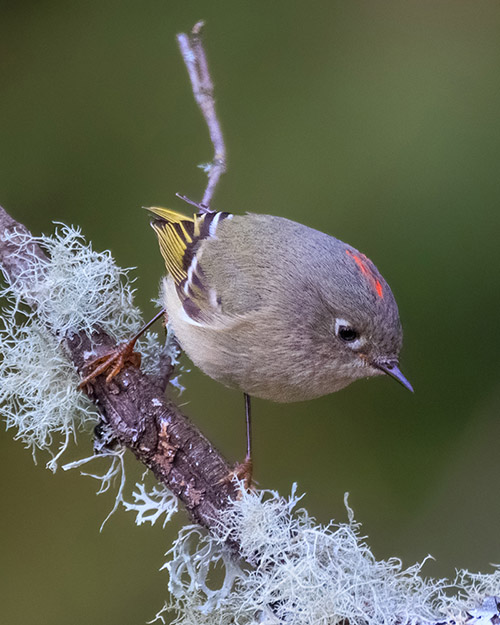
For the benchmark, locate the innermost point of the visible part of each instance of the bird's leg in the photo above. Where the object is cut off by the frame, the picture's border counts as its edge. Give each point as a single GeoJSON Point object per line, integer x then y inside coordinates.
{"type": "Point", "coordinates": [248, 419]}
{"type": "Point", "coordinates": [118, 358]}
{"type": "Point", "coordinates": [244, 470]}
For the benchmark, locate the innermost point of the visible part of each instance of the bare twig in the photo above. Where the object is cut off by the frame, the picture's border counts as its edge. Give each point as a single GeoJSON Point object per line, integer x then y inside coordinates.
{"type": "Point", "coordinates": [194, 56]}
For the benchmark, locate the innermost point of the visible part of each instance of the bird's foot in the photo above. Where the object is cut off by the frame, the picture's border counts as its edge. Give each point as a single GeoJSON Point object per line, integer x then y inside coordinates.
{"type": "Point", "coordinates": [113, 362]}
{"type": "Point", "coordinates": [242, 472]}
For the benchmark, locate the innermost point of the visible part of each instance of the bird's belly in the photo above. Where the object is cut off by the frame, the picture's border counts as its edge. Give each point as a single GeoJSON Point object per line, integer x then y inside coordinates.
{"type": "Point", "coordinates": [257, 355]}
{"type": "Point", "coordinates": [266, 376]}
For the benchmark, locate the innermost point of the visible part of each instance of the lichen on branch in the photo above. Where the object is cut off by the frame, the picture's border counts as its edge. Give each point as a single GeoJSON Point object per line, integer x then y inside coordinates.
{"type": "Point", "coordinates": [68, 290]}
{"type": "Point", "coordinates": [65, 304]}
{"type": "Point", "coordinates": [304, 573]}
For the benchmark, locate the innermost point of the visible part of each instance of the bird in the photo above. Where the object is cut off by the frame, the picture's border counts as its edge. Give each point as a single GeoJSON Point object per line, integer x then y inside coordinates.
{"type": "Point", "coordinates": [274, 308]}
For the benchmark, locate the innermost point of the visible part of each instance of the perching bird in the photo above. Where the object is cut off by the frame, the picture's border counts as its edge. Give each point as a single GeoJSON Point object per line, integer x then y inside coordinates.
{"type": "Point", "coordinates": [273, 308]}
{"type": "Point", "coordinates": [270, 307]}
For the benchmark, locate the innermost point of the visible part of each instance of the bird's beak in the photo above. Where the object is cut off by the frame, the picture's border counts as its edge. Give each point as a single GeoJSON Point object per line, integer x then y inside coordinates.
{"type": "Point", "coordinates": [391, 368]}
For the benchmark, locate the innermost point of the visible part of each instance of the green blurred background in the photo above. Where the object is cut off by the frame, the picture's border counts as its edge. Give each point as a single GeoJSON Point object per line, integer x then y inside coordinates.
{"type": "Point", "coordinates": [378, 122]}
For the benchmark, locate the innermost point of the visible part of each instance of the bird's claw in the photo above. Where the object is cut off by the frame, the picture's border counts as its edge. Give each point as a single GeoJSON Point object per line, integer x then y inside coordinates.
{"type": "Point", "coordinates": [242, 472]}
{"type": "Point", "coordinates": [114, 362]}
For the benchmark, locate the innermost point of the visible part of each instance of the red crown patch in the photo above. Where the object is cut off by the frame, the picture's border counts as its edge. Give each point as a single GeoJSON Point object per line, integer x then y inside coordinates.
{"type": "Point", "coordinates": [367, 269]}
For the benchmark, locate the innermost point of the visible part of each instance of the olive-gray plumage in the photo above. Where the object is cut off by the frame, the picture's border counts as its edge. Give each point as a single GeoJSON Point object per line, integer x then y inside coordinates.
{"type": "Point", "coordinates": [276, 309]}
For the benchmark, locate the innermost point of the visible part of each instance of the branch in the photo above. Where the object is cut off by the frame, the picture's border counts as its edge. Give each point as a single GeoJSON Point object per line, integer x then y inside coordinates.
{"type": "Point", "coordinates": [133, 406]}
{"type": "Point", "coordinates": [194, 56]}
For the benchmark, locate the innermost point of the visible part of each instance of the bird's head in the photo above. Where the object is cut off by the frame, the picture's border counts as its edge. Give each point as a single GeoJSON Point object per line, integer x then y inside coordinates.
{"type": "Point", "coordinates": [362, 319]}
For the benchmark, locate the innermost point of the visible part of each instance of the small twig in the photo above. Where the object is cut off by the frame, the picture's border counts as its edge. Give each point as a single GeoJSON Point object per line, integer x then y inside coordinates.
{"type": "Point", "coordinates": [194, 56]}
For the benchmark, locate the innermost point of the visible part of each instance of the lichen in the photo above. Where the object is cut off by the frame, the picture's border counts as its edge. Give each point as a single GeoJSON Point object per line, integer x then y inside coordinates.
{"type": "Point", "coordinates": [74, 289]}
{"type": "Point", "coordinates": [151, 505]}
{"type": "Point", "coordinates": [294, 571]}
{"type": "Point", "coordinates": [38, 388]}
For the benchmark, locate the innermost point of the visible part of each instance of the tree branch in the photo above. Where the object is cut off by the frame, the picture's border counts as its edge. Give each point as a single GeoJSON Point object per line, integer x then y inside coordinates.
{"type": "Point", "coordinates": [194, 56]}
{"type": "Point", "coordinates": [134, 407]}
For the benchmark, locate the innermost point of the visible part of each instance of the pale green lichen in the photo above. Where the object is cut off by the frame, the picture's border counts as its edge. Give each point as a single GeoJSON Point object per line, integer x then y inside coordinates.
{"type": "Point", "coordinates": [294, 571]}
{"type": "Point", "coordinates": [149, 505]}
{"type": "Point", "coordinates": [152, 505]}
{"type": "Point", "coordinates": [38, 388]}
{"type": "Point", "coordinates": [152, 355]}
{"type": "Point", "coordinates": [75, 289]}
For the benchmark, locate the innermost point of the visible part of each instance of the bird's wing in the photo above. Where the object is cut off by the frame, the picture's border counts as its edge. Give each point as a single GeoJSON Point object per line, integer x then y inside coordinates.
{"type": "Point", "coordinates": [180, 238]}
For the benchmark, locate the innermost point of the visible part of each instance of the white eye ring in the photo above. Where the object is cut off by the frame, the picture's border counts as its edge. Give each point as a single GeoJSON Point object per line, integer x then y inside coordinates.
{"type": "Point", "coordinates": [352, 338]}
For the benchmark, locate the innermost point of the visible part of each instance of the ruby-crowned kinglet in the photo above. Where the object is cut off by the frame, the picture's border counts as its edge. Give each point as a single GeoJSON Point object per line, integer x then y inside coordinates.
{"type": "Point", "coordinates": [274, 308]}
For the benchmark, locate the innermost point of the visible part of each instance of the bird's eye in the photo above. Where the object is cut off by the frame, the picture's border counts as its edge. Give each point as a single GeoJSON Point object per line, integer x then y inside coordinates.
{"type": "Point", "coordinates": [347, 334]}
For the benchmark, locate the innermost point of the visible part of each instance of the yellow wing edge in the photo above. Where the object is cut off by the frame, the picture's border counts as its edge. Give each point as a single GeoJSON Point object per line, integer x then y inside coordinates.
{"type": "Point", "coordinates": [176, 233]}
{"type": "Point", "coordinates": [169, 215]}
